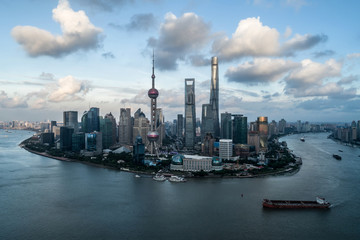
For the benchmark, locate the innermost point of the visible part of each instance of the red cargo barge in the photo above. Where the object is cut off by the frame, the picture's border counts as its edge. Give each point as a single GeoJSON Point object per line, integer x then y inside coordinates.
{"type": "Point", "coordinates": [319, 203]}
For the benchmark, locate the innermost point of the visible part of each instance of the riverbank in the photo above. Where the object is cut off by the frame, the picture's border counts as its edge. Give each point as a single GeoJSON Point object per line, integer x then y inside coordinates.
{"type": "Point", "coordinates": [289, 171]}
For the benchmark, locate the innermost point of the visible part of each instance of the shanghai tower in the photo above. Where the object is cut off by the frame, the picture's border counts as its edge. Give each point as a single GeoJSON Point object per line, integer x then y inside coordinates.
{"type": "Point", "coordinates": [214, 95]}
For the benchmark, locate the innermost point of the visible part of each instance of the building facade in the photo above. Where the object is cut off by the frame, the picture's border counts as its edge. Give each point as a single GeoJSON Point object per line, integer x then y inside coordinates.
{"type": "Point", "coordinates": [226, 126]}
{"type": "Point", "coordinates": [190, 113]}
{"type": "Point", "coordinates": [180, 126]}
{"type": "Point", "coordinates": [225, 149]}
{"type": "Point", "coordinates": [214, 95]}
{"type": "Point", "coordinates": [207, 121]}
{"type": "Point", "coordinates": [240, 129]}
{"type": "Point", "coordinates": [70, 119]}
{"type": "Point", "coordinates": [125, 127]}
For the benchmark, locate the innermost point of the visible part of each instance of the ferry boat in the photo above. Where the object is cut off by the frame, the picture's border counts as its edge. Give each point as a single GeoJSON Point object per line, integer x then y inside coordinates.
{"type": "Point", "coordinates": [319, 203]}
{"type": "Point", "coordinates": [337, 157]}
{"type": "Point", "coordinates": [175, 178]}
{"type": "Point", "coordinates": [159, 177]}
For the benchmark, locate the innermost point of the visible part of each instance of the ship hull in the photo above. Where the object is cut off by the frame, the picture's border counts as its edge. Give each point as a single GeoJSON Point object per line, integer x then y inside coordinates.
{"type": "Point", "coordinates": [293, 204]}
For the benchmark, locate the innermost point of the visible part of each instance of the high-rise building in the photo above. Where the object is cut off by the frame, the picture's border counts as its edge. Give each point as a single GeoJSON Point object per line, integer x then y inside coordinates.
{"type": "Point", "coordinates": [225, 149]}
{"type": "Point", "coordinates": [78, 142]}
{"type": "Point", "coordinates": [240, 129]}
{"type": "Point", "coordinates": [125, 127]}
{"type": "Point", "coordinates": [160, 126]}
{"type": "Point", "coordinates": [208, 145]}
{"type": "Point", "coordinates": [210, 112]}
{"type": "Point", "coordinates": [70, 119]}
{"type": "Point", "coordinates": [113, 127]}
{"type": "Point", "coordinates": [66, 138]}
{"type": "Point", "coordinates": [263, 132]}
{"type": "Point", "coordinates": [93, 142]}
{"type": "Point", "coordinates": [214, 95]}
{"type": "Point", "coordinates": [90, 120]}
{"type": "Point", "coordinates": [180, 126]}
{"type": "Point", "coordinates": [153, 135]}
{"type": "Point", "coordinates": [190, 113]}
{"type": "Point", "coordinates": [141, 126]}
{"type": "Point", "coordinates": [207, 121]}
{"type": "Point", "coordinates": [226, 126]}
{"type": "Point", "coordinates": [106, 129]}
{"type": "Point", "coordinates": [282, 126]}
{"type": "Point", "coordinates": [138, 150]}
{"type": "Point", "coordinates": [358, 130]}
{"type": "Point", "coordinates": [273, 128]}
{"type": "Point", "coordinates": [52, 124]}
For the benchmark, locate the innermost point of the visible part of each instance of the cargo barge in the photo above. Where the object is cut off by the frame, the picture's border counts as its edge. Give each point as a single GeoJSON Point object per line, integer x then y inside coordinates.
{"type": "Point", "coordinates": [319, 203]}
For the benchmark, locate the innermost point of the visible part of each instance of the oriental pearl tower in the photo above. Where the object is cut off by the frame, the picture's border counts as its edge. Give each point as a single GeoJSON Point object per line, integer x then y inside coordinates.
{"type": "Point", "coordinates": [153, 135]}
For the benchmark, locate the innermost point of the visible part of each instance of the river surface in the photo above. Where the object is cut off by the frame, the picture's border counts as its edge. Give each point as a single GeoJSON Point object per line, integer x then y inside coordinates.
{"type": "Point", "coordinates": [42, 198]}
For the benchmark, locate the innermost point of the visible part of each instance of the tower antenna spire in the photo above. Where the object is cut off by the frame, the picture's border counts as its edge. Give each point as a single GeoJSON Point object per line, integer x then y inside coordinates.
{"type": "Point", "coordinates": [153, 71]}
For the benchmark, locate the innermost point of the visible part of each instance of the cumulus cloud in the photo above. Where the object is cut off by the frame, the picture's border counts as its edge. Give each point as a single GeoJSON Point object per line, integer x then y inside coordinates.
{"type": "Point", "coordinates": [11, 102]}
{"type": "Point", "coordinates": [260, 70]}
{"type": "Point", "coordinates": [252, 38]}
{"type": "Point", "coordinates": [179, 37]}
{"type": "Point", "coordinates": [309, 80]}
{"type": "Point", "coordinates": [68, 89]}
{"type": "Point", "coordinates": [78, 33]}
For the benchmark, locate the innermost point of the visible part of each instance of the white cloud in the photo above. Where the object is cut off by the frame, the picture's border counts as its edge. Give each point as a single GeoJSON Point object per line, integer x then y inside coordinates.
{"type": "Point", "coordinates": [313, 73]}
{"type": "Point", "coordinates": [68, 89]}
{"type": "Point", "coordinates": [77, 33]}
{"type": "Point", "coordinates": [179, 37]}
{"type": "Point", "coordinates": [312, 79]}
{"type": "Point", "coordinates": [14, 102]}
{"type": "Point", "coordinates": [252, 38]}
{"type": "Point", "coordinates": [260, 70]}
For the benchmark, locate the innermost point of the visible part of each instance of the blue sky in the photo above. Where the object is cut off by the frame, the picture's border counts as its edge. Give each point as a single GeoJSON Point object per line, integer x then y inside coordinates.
{"type": "Point", "coordinates": [291, 59]}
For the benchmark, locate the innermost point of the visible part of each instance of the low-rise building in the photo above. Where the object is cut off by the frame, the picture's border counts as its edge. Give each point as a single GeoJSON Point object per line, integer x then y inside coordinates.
{"type": "Point", "coordinates": [195, 163]}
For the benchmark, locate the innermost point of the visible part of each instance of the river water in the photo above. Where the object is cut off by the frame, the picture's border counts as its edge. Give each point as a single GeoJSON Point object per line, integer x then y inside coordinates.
{"type": "Point", "coordinates": [42, 198]}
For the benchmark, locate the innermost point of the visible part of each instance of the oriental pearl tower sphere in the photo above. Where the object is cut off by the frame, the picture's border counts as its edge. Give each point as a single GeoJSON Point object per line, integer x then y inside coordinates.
{"type": "Point", "coordinates": [153, 135]}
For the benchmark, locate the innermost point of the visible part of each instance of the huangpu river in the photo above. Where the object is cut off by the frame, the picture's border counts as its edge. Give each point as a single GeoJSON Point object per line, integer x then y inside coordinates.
{"type": "Point", "coordinates": [42, 198]}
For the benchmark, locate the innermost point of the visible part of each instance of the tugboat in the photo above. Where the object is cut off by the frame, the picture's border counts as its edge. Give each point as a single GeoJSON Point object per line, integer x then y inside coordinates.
{"type": "Point", "coordinates": [319, 203]}
{"type": "Point", "coordinates": [337, 157]}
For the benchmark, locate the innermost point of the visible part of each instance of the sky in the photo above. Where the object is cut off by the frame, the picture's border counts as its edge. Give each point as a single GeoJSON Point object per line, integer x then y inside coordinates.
{"type": "Point", "coordinates": [291, 59]}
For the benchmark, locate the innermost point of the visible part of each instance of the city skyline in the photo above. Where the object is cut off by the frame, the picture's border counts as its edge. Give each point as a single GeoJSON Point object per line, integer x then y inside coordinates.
{"type": "Point", "coordinates": [284, 59]}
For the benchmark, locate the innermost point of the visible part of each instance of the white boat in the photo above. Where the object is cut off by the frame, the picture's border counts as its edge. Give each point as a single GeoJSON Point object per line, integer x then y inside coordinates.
{"type": "Point", "coordinates": [137, 176]}
{"type": "Point", "coordinates": [159, 177]}
{"type": "Point", "coordinates": [175, 178]}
